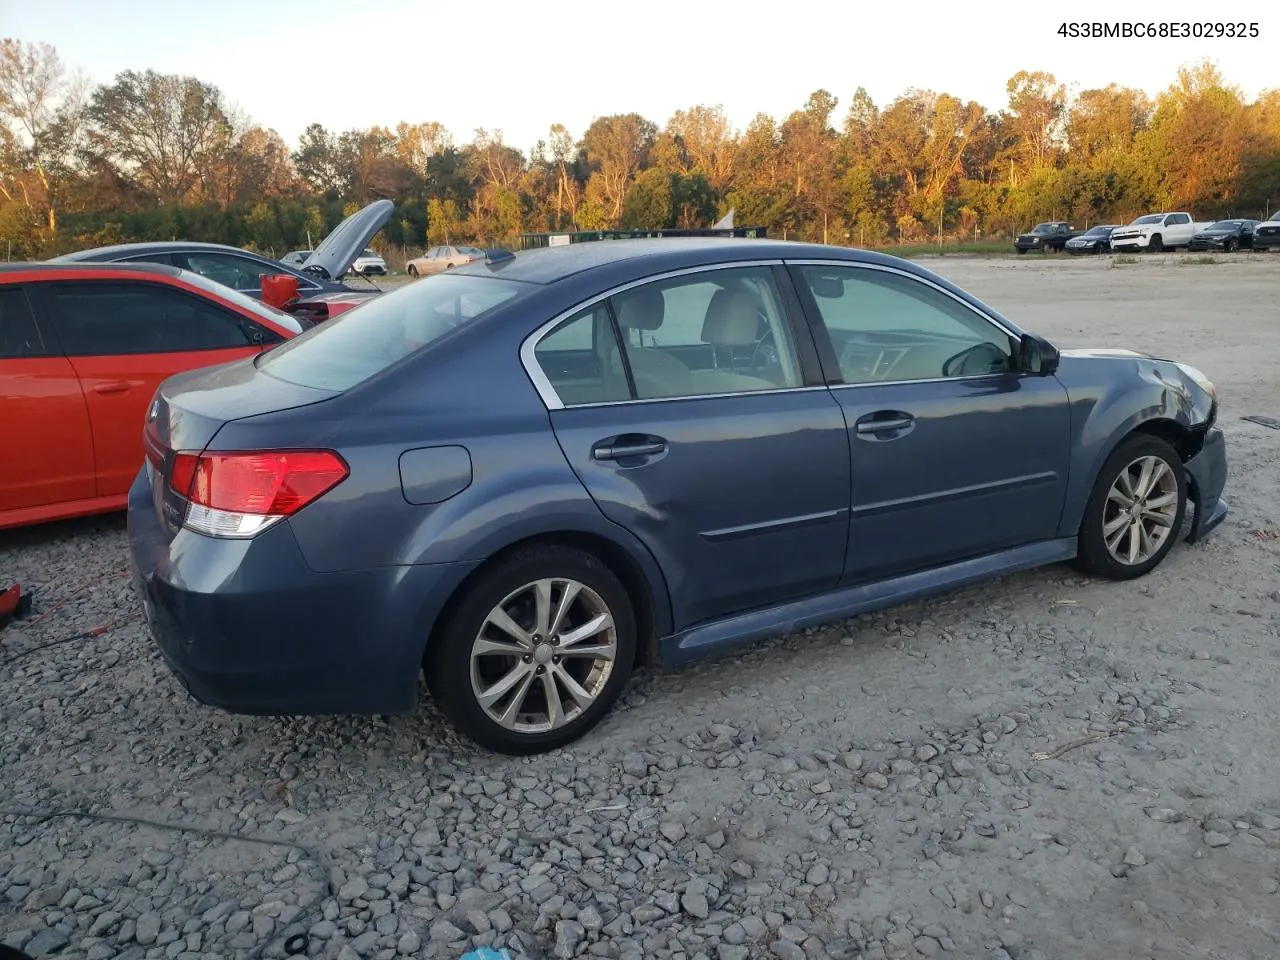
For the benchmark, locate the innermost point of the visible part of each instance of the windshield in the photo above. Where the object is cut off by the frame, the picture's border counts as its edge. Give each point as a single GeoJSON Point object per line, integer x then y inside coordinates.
{"type": "Point", "coordinates": [1150, 218]}
{"type": "Point", "coordinates": [1225, 225]}
{"type": "Point", "coordinates": [1042, 228]}
{"type": "Point", "coordinates": [340, 353]}
{"type": "Point", "coordinates": [263, 310]}
{"type": "Point", "coordinates": [1097, 231]}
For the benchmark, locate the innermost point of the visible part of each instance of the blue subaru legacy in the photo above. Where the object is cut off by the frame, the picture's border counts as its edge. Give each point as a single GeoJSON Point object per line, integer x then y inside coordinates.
{"type": "Point", "coordinates": [525, 476]}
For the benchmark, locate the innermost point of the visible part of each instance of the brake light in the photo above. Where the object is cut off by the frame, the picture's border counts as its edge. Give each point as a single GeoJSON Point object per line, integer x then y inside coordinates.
{"type": "Point", "coordinates": [241, 493]}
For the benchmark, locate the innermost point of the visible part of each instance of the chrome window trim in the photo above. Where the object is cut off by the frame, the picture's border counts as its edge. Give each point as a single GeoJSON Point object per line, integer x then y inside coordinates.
{"type": "Point", "coordinates": [546, 391]}
{"type": "Point", "coordinates": [541, 383]}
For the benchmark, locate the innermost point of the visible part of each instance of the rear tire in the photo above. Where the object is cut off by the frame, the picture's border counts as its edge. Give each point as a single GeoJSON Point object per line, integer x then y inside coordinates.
{"type": "Point", "coordinates": [1135, 512]}
{"type": "Point", "coordinates": [517, 674]}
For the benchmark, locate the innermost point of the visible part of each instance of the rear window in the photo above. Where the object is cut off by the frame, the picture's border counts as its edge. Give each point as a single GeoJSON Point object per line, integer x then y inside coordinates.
{"type": "Point", "coordinates": [337, 354]}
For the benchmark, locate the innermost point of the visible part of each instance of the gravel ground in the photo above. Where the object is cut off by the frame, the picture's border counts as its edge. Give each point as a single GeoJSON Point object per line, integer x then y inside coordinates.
{"type": "Point", "coordinates": [1040, 767]}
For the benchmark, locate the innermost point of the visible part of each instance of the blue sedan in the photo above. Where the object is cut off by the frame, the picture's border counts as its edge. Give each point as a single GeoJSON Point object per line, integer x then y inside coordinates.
{"type": "Point", "coordinates": [524, 477]}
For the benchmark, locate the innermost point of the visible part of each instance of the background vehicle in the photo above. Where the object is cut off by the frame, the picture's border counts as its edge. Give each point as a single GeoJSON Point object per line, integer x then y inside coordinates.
{"type": "Point", "coordinates": [369, 263]}
{"type": "Point", "coordinates": [1156, 232]}
{"type": "Point", "coordinates": [242, 270]}
{"type": "Point", "coordinates": [438, 259]}
{"type": "Point", "coordinates": [295, 258]}
{"type": "Point", "coordinates": [1094, 240]}
{"type": "Point", "coordinates": [1045, 236]}
{"type": "Point", "coordinates": [1225, 235]}
{"type": "Point", "coordinates": [83, 348]}
{"type": "Point", "coordinates": [523, 476]}
{"type": "Point", "coordinates": [1266, 235]}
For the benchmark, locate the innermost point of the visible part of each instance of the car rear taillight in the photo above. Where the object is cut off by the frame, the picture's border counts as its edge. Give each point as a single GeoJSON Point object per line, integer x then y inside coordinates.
{"type": "Point", "coordinates": [241, 493]}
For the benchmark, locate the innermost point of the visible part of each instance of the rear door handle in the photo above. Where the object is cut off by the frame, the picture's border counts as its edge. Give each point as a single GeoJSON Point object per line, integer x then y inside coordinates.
{"type": "Point", "coordinates": [618, 448]}
{"type": "Point", "coordinates": [106, 387]}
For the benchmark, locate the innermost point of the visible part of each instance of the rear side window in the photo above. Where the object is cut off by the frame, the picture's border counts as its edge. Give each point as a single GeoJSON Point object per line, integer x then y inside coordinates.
{"type": "Point", "coordinates": [99, 319]}
{"type": "Point", "coordinates": [337, 354]}
{"type": "Point", "coordinates": [19, 335]}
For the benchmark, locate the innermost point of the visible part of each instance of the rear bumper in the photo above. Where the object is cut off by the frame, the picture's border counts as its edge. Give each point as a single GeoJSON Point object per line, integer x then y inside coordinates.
{"type": "Point", "coordinates": [248, 627]}
{"type": "Point", "coordinates": [1207, 475]}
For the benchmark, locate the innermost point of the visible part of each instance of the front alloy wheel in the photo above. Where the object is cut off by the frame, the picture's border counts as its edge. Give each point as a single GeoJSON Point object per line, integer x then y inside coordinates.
{"type": "Point", "coordinates": [535, 651]}
{"type": "Point", "coordinates": [1135, 511]}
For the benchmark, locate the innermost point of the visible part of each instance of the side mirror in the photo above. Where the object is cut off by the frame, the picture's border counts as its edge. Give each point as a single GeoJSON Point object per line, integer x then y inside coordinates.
{"type": "Point", "coordinates": [1037, 356]}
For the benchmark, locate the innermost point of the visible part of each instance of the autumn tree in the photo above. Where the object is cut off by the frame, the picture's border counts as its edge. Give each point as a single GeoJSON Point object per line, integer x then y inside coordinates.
{"type": "Point", "coordinates": [1198, 141]}
{"type": "Point", "coordinates": [163, 130]}
{"type": "Point", "coordinates": [40, 121]}
{"type": "Point", "coordinates": [616, 148]}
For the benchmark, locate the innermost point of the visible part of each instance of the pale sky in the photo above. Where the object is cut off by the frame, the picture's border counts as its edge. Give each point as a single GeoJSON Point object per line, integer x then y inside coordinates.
{"type": "Point", "coordinates": [521, 66]}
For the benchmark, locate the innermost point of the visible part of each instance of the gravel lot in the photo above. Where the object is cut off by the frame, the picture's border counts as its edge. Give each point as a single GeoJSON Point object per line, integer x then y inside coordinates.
{"type": "Point", "coordinates": [1040, 767]}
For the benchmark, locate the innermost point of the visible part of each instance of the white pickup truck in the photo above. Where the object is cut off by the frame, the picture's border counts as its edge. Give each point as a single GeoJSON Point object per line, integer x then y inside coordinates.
{"type": "Point", "coordinates": [1155, 232]}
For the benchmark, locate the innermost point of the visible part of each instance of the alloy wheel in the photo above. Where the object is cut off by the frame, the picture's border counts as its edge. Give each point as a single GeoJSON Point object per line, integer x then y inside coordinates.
{"type": "Point", "coordinates": [1141, 508]}
{"type": "Point", "coordinates": [543, 655]}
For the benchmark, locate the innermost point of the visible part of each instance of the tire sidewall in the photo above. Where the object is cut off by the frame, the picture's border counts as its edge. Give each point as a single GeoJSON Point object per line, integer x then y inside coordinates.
{"type": "Point", "coordinates": [448, 659]}
{"type": "Point", "coordinates": [1093, 549]}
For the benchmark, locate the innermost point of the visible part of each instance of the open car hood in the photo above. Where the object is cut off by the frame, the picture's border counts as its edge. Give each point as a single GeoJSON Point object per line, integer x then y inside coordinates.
{"type": "Point", "coordinates": [347, 240]}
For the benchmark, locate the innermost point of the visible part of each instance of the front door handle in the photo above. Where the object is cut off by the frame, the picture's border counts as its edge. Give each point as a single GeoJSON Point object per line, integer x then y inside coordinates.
{"type": "Point", "coordinates": [107, 387]}
{"type": "Point", "coordinates": [619, 448]}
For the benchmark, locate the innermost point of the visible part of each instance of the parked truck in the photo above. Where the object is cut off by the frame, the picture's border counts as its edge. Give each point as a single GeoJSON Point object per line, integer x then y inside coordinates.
{"type": "Point", "coordinates": [1157, 231]}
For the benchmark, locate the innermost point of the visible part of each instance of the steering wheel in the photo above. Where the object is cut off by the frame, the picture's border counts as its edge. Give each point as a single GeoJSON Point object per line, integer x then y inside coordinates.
{"type": "Point", "coordinates": [764, 357]}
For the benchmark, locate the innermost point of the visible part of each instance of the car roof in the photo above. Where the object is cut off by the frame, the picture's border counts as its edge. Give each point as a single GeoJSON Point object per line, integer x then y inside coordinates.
{"type": "Point", "coordinates": [153, 246]}
{"type": "Point", "coordinates": [60, 267]}
{"type": "Point", "coordinates": [549, 265]}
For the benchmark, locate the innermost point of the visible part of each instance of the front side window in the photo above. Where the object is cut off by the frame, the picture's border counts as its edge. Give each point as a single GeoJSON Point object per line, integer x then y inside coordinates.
{"type": "Point", "coordinates": [118, 317]}
{"type": "Point", "coordinates": [886, 327]}
{"type": "Point", "coordinates": [357, 344]}
{"type": "Point", "coordinates": [238, 273]}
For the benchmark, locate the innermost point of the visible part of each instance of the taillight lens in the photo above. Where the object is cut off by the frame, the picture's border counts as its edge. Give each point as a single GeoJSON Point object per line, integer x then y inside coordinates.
{"type": "Point", "coordinates": [241, 493]}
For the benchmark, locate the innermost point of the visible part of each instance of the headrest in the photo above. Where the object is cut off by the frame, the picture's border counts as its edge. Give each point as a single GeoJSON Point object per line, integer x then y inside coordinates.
{"type": "Point", "coordinates": [640, 309]}
{"type": "Point", "coordinates": [731, 319]}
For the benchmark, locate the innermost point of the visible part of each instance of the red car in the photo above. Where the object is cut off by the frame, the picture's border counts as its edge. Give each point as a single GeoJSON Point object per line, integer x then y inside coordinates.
{"type": "Point", "coordinates": [83, 347]}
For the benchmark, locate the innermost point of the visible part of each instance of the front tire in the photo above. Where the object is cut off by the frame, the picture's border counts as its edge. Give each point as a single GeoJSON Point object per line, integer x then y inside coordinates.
{"type": "Point", "coordinates": [535, 652]}
{"type": "Point", "coordinates": [1156, 244]}
{"type": "Point", "coordinates": [413, 271]}
{"type": "Point", "coordinates": [1135, 511]}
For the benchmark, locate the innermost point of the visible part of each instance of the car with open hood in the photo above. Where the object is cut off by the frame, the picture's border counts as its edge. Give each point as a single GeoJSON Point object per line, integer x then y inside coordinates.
{"type": "Point", "coordinates": [523, 477]}
{"type": "Point", "coordinates": [319, 277]}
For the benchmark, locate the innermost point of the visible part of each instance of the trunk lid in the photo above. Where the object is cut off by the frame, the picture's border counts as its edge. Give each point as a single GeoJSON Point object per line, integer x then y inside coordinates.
{"type": "Point", "coordinates": [190, 408]}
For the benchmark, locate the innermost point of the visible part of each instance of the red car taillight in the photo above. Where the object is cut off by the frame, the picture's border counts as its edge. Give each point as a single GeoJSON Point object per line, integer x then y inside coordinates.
{"type": "Point", "coordinates": [239, 494]}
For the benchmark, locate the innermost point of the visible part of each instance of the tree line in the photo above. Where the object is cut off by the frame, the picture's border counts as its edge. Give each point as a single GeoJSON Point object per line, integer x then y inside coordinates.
{"type": "Point", "coordinates": [153, 156]}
